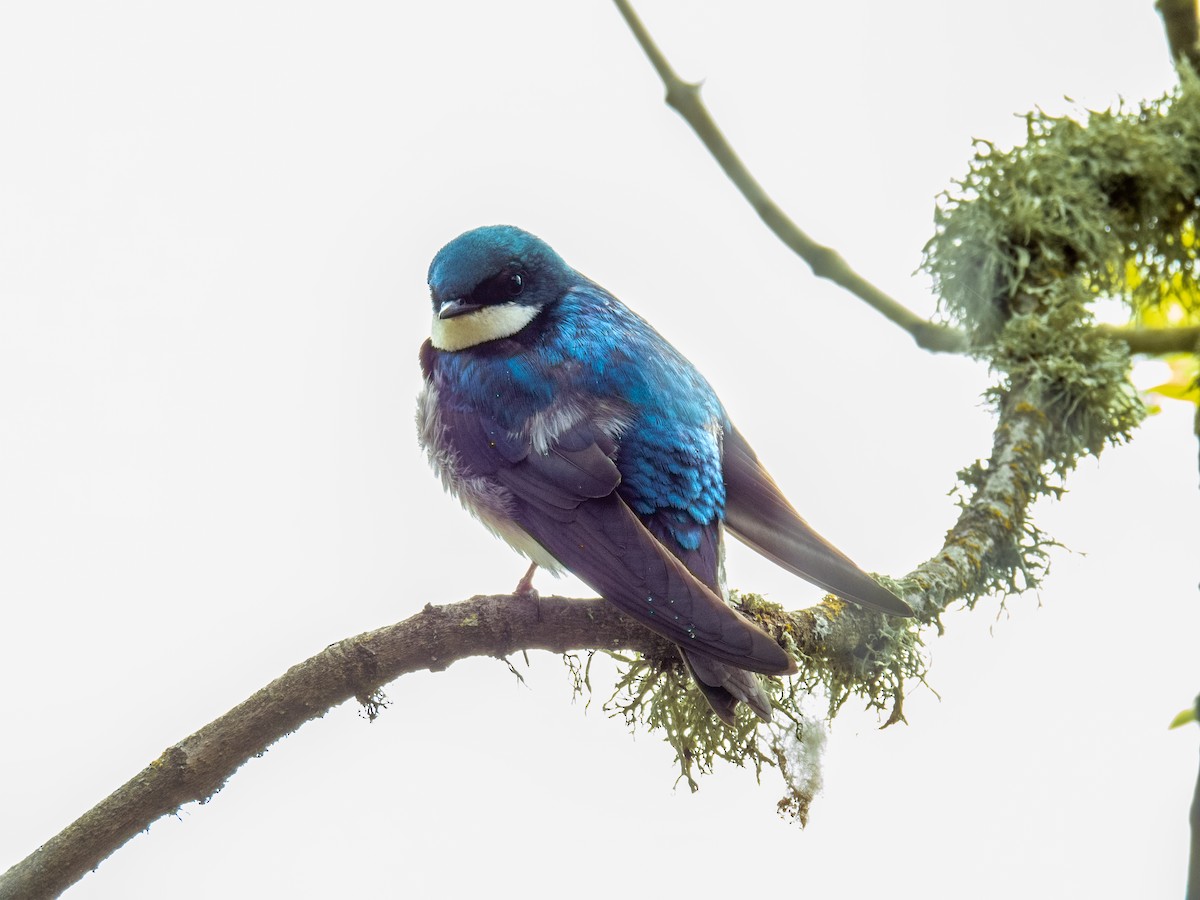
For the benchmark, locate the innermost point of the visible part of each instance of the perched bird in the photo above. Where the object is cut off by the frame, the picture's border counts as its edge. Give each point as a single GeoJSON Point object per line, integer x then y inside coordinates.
{"type": "Point", "coordinates": [577, 433]}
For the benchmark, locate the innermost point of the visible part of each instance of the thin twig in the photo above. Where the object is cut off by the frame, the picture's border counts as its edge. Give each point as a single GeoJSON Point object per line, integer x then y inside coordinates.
{"type": "Point", "coordinates": [1156, 340]}
{"type": "Point", "coordinates": [1180, 22]}
{"type": "Point", "coordinates": [684, 98]}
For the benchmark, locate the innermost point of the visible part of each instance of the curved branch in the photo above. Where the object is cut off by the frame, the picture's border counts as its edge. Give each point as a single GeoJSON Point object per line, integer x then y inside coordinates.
{"type": "Point", "coordinates": [197, 767]}
{"type": "Point", "coordinates": [825, 262]}
{"type": "Point", "coordinates": [985, 540]}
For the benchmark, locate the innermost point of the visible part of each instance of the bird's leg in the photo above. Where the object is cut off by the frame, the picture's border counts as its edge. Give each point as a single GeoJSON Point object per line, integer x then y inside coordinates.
{"type": "Point", "coordinates": [525, 586]}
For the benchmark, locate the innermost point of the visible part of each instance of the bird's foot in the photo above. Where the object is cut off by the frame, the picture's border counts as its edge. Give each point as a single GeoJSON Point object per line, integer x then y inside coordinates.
{"type": "Point", "coordinates": [525, 589]}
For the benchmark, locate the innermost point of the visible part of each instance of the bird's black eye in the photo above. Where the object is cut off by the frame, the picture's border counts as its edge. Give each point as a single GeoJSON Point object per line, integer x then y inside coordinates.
{"type": "Point", "coordinates": [502, 287]}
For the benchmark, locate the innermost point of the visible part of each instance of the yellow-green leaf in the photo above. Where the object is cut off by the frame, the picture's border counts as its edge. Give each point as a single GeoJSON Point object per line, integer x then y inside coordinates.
{"type": "Point", "coordinates": [1185, 716]}
{"type": "Point", "coordinates": [1184, 383]}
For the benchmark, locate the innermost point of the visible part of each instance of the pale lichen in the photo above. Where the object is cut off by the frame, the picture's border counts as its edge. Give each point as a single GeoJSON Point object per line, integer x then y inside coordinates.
{"type": "Point", "coordinates": [659, 696]}
{"type": "Point", "coordinates": [799, 745]}
{"type": "Point", "coordinates": [1101, 205]}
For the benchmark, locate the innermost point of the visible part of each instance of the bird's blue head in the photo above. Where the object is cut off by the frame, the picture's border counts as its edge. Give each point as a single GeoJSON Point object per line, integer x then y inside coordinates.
{"type": "Point", "coordinates": [491, 283]}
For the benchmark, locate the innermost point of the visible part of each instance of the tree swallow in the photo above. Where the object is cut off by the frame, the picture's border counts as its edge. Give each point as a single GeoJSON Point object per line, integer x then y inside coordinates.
{"type": "Point", "coordinates": [578, 434]}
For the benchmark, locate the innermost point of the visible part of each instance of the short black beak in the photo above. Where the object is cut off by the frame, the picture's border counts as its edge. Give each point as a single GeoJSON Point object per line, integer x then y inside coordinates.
{"type": "Point", "coordinates": [458, 307]}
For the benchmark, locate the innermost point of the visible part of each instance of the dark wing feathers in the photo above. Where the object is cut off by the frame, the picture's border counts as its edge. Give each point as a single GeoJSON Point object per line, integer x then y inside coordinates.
{"type": "Point", "coordinates": [608, 548]}
{"type": "Point", "coordinates": [588, 472]}
{"type": "Point", "coordinates": [567, 500]}
{"type": "Point", "coordinates": [704, 561]}
{"type": "Point", "coordinates": [757, 513]}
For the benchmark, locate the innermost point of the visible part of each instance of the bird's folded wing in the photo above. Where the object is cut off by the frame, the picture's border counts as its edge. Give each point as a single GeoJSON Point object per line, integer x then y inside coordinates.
{"type": "Point", "coordinates": [757, 513]}
{"type": "Point", "coordinates": [566, 499]}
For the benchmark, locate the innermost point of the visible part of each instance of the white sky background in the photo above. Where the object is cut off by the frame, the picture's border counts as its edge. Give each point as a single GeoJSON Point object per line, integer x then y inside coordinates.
{"type": "Point", "coordinates": [214, 231]}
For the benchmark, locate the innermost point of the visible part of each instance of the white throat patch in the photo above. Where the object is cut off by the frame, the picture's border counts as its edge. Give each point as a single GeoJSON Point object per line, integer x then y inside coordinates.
{"type": "Point", "coordinates": [488, 323]}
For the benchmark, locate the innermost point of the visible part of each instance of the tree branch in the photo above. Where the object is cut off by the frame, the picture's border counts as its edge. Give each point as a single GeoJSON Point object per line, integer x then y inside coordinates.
{"type": "Point", "coordinates": [1180, 19]}
{"type": "Point", "coordinates": [1180, 22]}
{"type": "Point", "coordinates": [988, 544]}
{"type": "Point", "coordinates": [1184, 339]}
{"type": "Point", "coordinates": [197, 767]}
{"type": "Point", "coordinates": [1193, 875]}
{"type": "Point", "coordinates": [825, 262]}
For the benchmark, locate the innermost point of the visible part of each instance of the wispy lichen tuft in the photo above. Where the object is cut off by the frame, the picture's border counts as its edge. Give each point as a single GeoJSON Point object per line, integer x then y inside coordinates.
{"type": "Point", "coordinates": [1102, 205]}
{"type": "Point", "coordinates": [659, 696]}
{"type": "Point", "coordinates": [799, 746]}
{"type": "Point", "coordinates": [1072, 203]}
